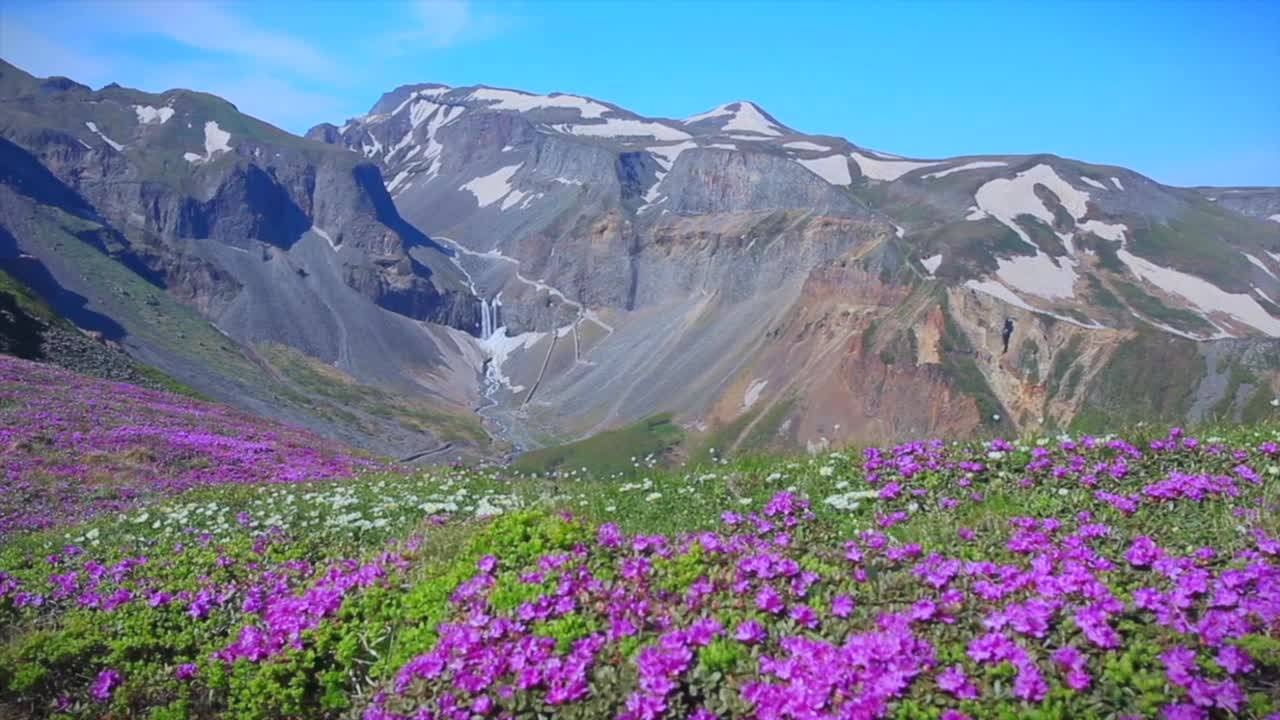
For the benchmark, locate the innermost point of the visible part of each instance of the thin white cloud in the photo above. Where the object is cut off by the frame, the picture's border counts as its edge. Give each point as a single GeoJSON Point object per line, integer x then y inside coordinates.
{"type": "Point", "coordinates": [439, 24]}
{"type": "Point", "coordinates": [443, 21]}
{"type": "Point", "coordinates": [213, 27]}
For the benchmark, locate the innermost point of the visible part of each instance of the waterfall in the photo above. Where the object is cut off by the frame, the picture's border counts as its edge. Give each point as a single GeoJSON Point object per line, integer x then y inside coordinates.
{"type": "Point", "coordinates": [486, 320]}
{"type": "Point", "coordinates": [489, 317]}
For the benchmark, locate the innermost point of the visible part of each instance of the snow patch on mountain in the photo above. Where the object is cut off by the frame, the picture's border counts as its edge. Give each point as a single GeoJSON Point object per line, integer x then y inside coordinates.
{"type": "Point", "coordinates": [743, 117]}
{"type": "Point", "coordinates": [805, 145]}
{"type": "Point", "coordinates": [712, 113]}
{"type": "Point", "coordinates": [1007, 198]}
{"type": "Point", "coordinates": [976, 165]}
{"type": "Point", "coordinates": [625, 127]}
{"type": "Point", "coordinates": [512, 198]}
{"type": "Point", "coordinates": [1116, 180]}
{"type": "Point", "coordinates": [399, 178]}
{"type": "Point", "coordinates": [666, 156]}
{"type": "Point", "coordinates": [749, 118]}
{"type": "Point", "coordinates": [1260, 264]}
{"type": "Point", "coordinates": [324, 235]}
{"type": "Point", "coordinates": [1039, 275]}
{"type": "Point", "coordinates": [931, 263]}
{"type": "Point", "coordinates": [216, 139]}
{"type": "Point", "coordinates": [752, 394]}
{"type": "Point", "coordinates": [1203, 294]}
{"type": "Point", "coordinates": [998, 291]}
{"type": "Point", "coordinates": [1275, 218]}
{"type": "Point", "coordinates": [833, 168]}
{"type": "Point", "coordinates": [975, 214]}
{"type": "Point", "coordinates": [94, 129]}
{"type": "Point", "coordinates": [522, 101]}
{"type": "Point", "coordinates": [491, 188]}
{"type": "Point", "coordinates": [1094, 183]}
{"type": "Point", "coordinates": [147, 114]}
{"type": "Point", "coordinates": [1107, 231]}
{"type": "Point", "coordinates": [887, 170]}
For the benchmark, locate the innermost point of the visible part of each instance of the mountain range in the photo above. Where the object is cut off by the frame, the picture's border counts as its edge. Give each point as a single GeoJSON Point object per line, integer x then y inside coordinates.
{"type": "Point", "coordinates": [471, 271]}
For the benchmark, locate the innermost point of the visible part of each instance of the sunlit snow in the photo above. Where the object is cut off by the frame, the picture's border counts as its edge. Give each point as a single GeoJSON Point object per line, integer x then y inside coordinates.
{"type": "Point", "coordinates": [147, 114]}
{"type": "Point", "coordinates": [490, 188]}
{"type": "Point", "coordinates": [887, 170]}
{"type": "Point", "coordinates": [976, 165]}
{"type": "Point", "coordinates": [834, 169]}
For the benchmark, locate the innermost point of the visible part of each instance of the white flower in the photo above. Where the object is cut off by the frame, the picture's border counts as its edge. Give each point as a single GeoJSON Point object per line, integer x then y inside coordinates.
{"type": "Point", "coordinates": [653, 496]}
{"type": "Point", "coordinates": [826, 471]}
{"type": "Point", "coordinates": [842, 484]}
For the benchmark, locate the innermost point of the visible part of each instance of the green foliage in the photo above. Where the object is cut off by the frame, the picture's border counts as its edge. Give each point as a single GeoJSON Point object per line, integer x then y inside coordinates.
{"type": "Point", "coordinates": [613, 452]}
{"type": "Point", "coordinates": [721, 656]}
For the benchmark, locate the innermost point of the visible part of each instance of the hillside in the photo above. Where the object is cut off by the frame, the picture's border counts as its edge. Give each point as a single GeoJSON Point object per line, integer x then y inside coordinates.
{"type": "Point", "coordinates": [204, 566]}
{"type": "Point", "coordinates": [796, 290]}
{"type": "Point", "coordinates": [194, 236]}
{"type": "Point", "coordinates": [75, 447]}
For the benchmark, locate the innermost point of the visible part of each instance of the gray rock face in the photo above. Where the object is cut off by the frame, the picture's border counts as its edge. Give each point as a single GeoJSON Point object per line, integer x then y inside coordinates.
{"type": "Point", "coordinates": [274, 239]}
{"type": "Point", "coordinates": [582, 218]}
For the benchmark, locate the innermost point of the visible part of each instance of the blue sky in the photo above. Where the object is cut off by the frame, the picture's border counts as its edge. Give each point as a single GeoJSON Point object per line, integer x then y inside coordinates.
{"type": "Point", "coordinates": [1186, 92]}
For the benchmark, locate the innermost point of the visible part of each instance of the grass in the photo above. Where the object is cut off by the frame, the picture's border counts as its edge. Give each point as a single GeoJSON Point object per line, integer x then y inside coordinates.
{"type": "Point", "coordinates": [1198, 242]}
{"type": "Point", "coordinates": [159, 318]}
{"type": "Point", "coordinates": [615, 452]}
{"type": "Point", "coordinates": [27, 300]}
{"type": "Point", "coordinates": [1126, 390]}
{"type": "Point", "coordinates": [220, 537]}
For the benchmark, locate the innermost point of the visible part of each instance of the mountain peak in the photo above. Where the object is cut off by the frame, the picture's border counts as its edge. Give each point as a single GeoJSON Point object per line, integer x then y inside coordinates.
{"type": "Point", "coordinates": [740, 116]}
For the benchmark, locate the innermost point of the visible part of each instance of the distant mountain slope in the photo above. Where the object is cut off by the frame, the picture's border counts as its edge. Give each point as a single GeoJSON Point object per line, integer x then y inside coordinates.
{"type": "Point", "coordinates": [1257, 202]}
{"type": "Point", "coordinates": [585, 267]}
{"type": "Point", "coordinates": [802, 289]}
{"type": "Point", "coordinates": [195, 235]}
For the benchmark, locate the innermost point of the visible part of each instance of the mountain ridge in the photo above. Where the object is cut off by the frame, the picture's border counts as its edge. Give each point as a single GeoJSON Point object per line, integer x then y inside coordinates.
{"type": "Point", "coordinates": [763, 285]}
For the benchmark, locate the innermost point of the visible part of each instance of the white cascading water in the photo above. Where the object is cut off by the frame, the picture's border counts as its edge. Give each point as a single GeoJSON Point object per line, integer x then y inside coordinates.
{"type": "Point", "coordinates": [489, 316]}
{"type": "Point", "coordinates": [486, 320]}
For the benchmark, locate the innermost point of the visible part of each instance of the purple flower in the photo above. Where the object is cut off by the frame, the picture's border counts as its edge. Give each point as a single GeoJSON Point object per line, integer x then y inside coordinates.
{"type": "Point", "coordinates": [105, 685]}
{"type": "Point", "coordinates": [750, 632]}
{"type": "Point", "coordinates": [186, 671]}
{"type": "Point", "coordinates": [955, 681]}
{"type": "Point", "coordinates": [769, 600]}
{"type": "Point", "coordinates": [1143, 552]}
{"type": "Point", "coordinates": [1234, 660]}
{"type": "Point", "coordinates": [842, 606]}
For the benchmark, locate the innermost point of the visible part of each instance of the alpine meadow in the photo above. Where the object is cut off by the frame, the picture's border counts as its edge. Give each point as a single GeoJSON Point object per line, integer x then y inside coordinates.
{"type": "Point", "coordinates": [503, 404]}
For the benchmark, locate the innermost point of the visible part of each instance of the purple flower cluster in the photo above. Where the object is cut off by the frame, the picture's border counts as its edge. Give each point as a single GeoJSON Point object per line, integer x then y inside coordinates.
{"type": "Point", "coordinates": [72, 447]}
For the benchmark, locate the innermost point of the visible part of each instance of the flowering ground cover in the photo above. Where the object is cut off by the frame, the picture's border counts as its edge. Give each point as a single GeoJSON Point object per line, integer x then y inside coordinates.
{"type": "Point", "coordinates": [72, 447]}
{"type": "Point", "coordinates": [1046, 578]}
